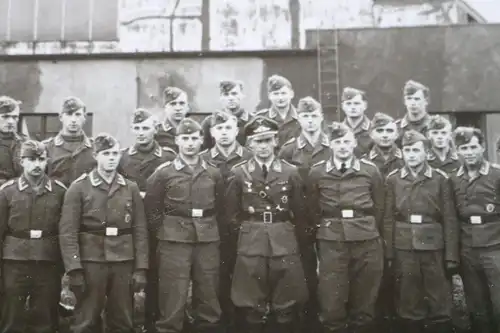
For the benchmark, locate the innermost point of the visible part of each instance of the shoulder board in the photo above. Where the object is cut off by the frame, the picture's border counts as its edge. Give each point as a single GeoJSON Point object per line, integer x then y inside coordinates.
{"type": "Point", "coordinates": [238, 164]}
{"type": "Point", "coordinates": [123, 150]}
{"type": "Point", "coordinates": [203, 152]}
{"type": "Point", "coordinates": [393, 172]}
{"type": "Point", "coordinates": [49, 140]}
{"type": "Point", "coordinates": [82, 177]}
{"type": "Point", "coordinates": [494, 165]}
{"type": "Point", "coordinates": [289, 141]}
{"type": "Point", "coordinates": [168, 149]}
{"type": "Point", "coordinates": [210, 163]}
{"type": "Point", "coordinates": [260, 111]}
{"type": "Point", "coordinates": [442, 173]}
{"type": "Point", "coordinates": [161, 166]}
{"type": "Point", "coordinates": [60, 184]}
{"type": "Point", "coordinates": [287, 163]}
{"type": "Point", "coordinates": [319, 163]}
{"type": "Point", "coordinates": [365, 161]}
{"type": "Point", "coordinates": [8, 183]}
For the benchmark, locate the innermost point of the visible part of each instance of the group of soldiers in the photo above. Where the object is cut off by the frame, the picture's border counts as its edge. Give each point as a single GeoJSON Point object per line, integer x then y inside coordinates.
{"type": "Point", "coordinates": [267, 221]}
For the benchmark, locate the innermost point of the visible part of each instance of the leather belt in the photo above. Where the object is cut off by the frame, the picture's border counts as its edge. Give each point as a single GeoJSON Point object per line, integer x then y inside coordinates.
{"type": "Point", "coordinates": [108, 231]}
{"type": "Point", "coordinates": [480, 219]}
{"type": "Point", "coordinates": [266, 217]}
{"type": "Point", "coordinates": [346, 213]}
{"type": "Point", "coordinates": [31, 234]}
{"type": "Point", "coordinates": [416, 219]}
{"type": "Point", "coordinates": [192, 212]}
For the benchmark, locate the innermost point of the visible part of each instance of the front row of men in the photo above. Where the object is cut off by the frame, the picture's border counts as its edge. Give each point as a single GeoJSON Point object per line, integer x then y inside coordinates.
{"type": "Point", "coordinates": [268, 221]}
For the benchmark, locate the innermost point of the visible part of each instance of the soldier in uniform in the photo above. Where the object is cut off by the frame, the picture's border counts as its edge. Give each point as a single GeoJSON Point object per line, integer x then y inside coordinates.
{"type": "Point", "coordinates": [282, 111]}
{"type": "Point", "coordinates": [70, 151]}
{"type": "Point", "coordinates": [30, 208]}
{"type": "Point", "coordinates": [10, 140]}
{"type": "Point", "coordinates": [176, 106]}
{"type": "Point", "coordinates": [265, 202]}
{"type": "Point", "coordinates": [184, 204]}
{"type": "Point", "coordinates": [442, 154]}
{"type": "Point", "coordinates": [345, 196]}
{"type": "Point", "coordinates": [416, 99]}
{"type": "Point", "coordinates": [226, 153]}
{"type": "Point", "coordinates": [231, 95]}
{"type": "Point", "coordinates": [104, 243]}
{"type": "Point", "coordinates": [421, 234]}
{"type": "Point", "coordinates": [354, 105]}
{"type": "Point", "coordinates": [476, 186]}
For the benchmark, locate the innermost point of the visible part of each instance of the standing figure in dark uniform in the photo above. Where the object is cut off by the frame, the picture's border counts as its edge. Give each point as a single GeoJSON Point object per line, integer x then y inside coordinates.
{"type": "Point", "coordinates": [416, 98]}
{"type": "Point", "coordinates": [442, 154]}
{"type": "Point", "coordinates": [231, 95]}
{"type": "Point", "coordinates": [346, 198]}
{"type": "Point", "coordinates": [226, 153]}
{"type": "Point", "coordinates": [421, 235]}
{"type": "Point", "coordinates": [104, 243]}
{"type": "Point", "coordinates": [265, 201]}
{"type": "Point", "coordinates": [310, 147]}
{"type": "Point", "coordinates": [175, 101]}
{"type": "Point", "coordinates": [282, 111]}
{"type": "Point", "coordinates": [184, 204]}
{"type": "Point", "coordinates": [354, 105]}
{"type": "Point", "coordinates": [70, 151]}
{"type": "Point", "coordinates": [10, 140]}
{"type": "Point", "coordinates": [476, 186]}
{"type": "Point", "coordinates": [30, 209]}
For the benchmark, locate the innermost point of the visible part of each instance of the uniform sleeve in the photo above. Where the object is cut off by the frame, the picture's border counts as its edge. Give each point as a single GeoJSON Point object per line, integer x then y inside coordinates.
{"type": "Point", "coordinates": [207, 137]}
{"type": "Point", "coordinates": [388, 222]}
{"type": "Point", "coordinates": [297, 200]}
{"type": "Point", "coordinates": [141, 246]}
{"type": "Point", "coordinates": [4, 219]}
{"type": "Point", "coordinates": [154, 200]}
{"type": "Point", "coordinates": [285, 153]}
{"type": "Point", "coordinates": [450, 222]}
{"type": "Point", "coordinates": [69, 228]}
{"type": "Point", "coordinates": [378, 193]}
{"type": "Point", "coordinates": [233, 199]}
{"type": "Point", "coordinates": [312, 199]}
{"type": "Point", "coordinates": [220, 211]}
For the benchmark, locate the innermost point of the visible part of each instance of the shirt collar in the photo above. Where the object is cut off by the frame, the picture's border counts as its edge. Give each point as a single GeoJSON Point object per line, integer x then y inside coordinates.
{"type": "Point", "coordinates": [405, 122]}
{"type": "Point", "coordinates": [59, 141]}
{"type": "Point", "coordinates": [96, 179]}
{"type": "Point", "coordinates": [291, 112]}
{"type": "Point", "coordinates": [158, 152]}
{"type": "Point", "coordinates": [483, 170]}
{"type": "Point", "coordinates": [179, 164]}
{"type": "Point", "coordinates": [451, 155]}
{"type": "Point", "coordinates": [323, 139]}
{"type": "Point", "coordinates": [331, 164]}
{"type": "Point", "coordinates": [364, 125]}
{"type": "Point", "coordinates": [238, 150]}
{"type": "Point", "coordinates": [23, 184]}
{"type": "Point", "coordinates": [376, 151]}
{"type": "Point", "coordinates": [274, 165]}
{"type": "Point", "coordinates": [427, 172]}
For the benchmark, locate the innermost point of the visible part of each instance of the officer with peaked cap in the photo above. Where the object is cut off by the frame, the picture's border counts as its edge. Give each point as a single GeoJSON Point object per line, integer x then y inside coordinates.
{"type": "Point", "coordinates": [184, 205]}
{"type": "Point", "coordinates": [421, 234]}
{"type": "Point", "coordinates": [265, 202]}
{"type": "Point", "coordinates": [104, 242]}
{"type": "Point", "coordinates": [70, 151]}
{"type": "Point", "coordinates": [30, 208]}
{"type": "Point", "coordinates": [442, 154]}
{"type": "Point", "coordinates": [176, 107]}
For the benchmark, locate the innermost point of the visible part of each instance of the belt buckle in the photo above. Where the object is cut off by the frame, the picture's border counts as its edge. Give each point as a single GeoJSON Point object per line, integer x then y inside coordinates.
{"type": "Point", "coordinates": [111, 231]}
{"type": "Point", "coordinates": [416, 219]}
{"type": "Point", "coordinates": [347, 213]}
{"type": "Point", "coordinates": [35, 234]}
{"type": "Point", "coordinates": [476, 220]}
{"type": "Point", "coordinates": [196, 212]}
{"type": "Point", "coordinates": [268, 217]}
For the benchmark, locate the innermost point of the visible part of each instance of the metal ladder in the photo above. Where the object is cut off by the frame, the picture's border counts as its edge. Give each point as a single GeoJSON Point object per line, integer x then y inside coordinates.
{"type": "Point", "coordinates": [328, 72]}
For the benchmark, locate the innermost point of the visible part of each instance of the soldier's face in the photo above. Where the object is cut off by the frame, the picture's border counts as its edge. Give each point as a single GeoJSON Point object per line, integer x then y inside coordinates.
{"type": "Point", "coordinates": [385, 136]}
{"type": "Point", "coordinates": [354, 107]}
{"type": "Point", "coordinates": [232, 99]}
{"type": "Point", "coordinates": [107, 160]}
{"type": "Point", "coordinates": [145, 131]}
{"type": "Point", "coordinates": [415, 154]}
{"type": "Point", "coordinates": [311, 121]}
{"type": "Point", "coordinates": [178, 108]}
{"type": "Point", "coordinates": [263, 146]}
{"type": "Point", "coordinates": [440, 138]}
{"type": "Point", "coordinates": [225, 134]}
{"type": "Point", "coordinates": [34, 166]}
{"type": "Point", "coordinates": [9, 121]}
{"type": "Point", "coordinates": [282, 97]}
{"type": "Point", "coordinates": [72, 122]}
{"type": "Point", "coordinates": [343, 147]}
{"type": "Point", "coordinates": [189, 144]}
{"type": "Point", "coordinates": [471, 152]}
{"type": "Point", "coordinates": [416, 105]}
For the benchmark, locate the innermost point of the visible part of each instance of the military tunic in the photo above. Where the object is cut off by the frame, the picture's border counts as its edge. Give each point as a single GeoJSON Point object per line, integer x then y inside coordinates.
{"type": "Point", "coordinates": [421, 234]}
{"type": "Point", "coordinates": [386, 166]}
{"type": "Point", "coordinates": [243, 118]}
{"type": "Point", "coordinates": [347, 209]}
{"type": "Point", "coordinates": [479, 215]}
{"type": "Point", "coordinates": [450, 164]}
{"type": "Point", "coordinates": [184, 206]}
{"type": "Point", "coordinates": [289, 127]}
{"type": "Point", "coordinates": [69, 160]}
{"type": "Point", "coordinates": [165, 136]}
{"type": "Point", "coordinates": [268, 269]}
{"type": "Point", "coordinates": [103, 233]}
{"type": "Point", "coordinates": [362, 134]}
{"type": "Point", "coordinates": [10, 145]}
{"type": "Point", "coordinates": [404, 124]}
{"type": "Point", "coordinates": [31, 260]}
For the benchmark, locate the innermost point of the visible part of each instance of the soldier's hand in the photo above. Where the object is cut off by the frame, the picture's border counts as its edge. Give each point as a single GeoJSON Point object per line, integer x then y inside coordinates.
{"type": "Point", "coordinates": [139, 280]}
{"type": "Point", "coordinates": [77, 283]}
{"type": "Point", "coordinates": [451, 268]}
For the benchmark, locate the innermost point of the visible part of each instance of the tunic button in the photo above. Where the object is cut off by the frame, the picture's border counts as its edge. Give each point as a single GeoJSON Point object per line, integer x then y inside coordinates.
{"type": "Point", "coordinates": [268, 207]}
{"type": "Point", "coordinates": [267, 187]}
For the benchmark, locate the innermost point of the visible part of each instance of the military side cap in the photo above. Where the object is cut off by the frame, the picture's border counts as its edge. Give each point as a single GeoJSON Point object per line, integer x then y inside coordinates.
{"type": "Point", "coordinates": [463, 135]}
{"type": "Point", "coordinates": [349, 93]}
{"type": "Point", "coordinates": [276, 82]}
{"type": "Point", "coordinates": [411, 87]}
{"type": "Point", "coordinates": [220, 117]}
{"type": "Point", "coordinates": [141, 115]}
{"type": "Point", "coordinates": [411, 137]}
{"type": "Point", "coordinates": [307, 104]}
{"type": "Point", "coordinates": [188, 126]}
{"type": "Point", "coordinates": [226, 86]}
{"type": "Point", "coordinates": [338, 130]}
{"type": "Point", "coordinates": [104, 141]}
{"type": "Point", "coordinates": [171, 93]}
{"type": "Point", "coordinates": [381, 119]}
{"type": "Point", "coordinates": [261, 126]}
{"type": "Point", "coordinates": [32, 148]}
{"type": "Point", "coordinates": [72, 104]}
{"type": "Point", "coordinates": [438, 122]}
{"type": "Point", "coordinates": [8, 104]}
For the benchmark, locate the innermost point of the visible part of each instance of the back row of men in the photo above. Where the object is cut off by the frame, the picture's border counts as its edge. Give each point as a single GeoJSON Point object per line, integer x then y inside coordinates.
{"type": "Point", "coordinates": [248, 226]}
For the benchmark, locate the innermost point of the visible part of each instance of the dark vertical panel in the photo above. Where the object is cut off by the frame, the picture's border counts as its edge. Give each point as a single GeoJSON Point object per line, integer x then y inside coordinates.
{"type": "Point", "coordinates": [205, 21]}
{"type": "Point", "coordinates": [22, 20]}
{"type": "Point", "coordinates": [4, 7]}
{"type": "Point", "coordinates": [105, 20]}
{"type": "Point", "coordinates": [49, 20]}
{"type": "Point", "coordinates": [76, 23]}
{"type": "Point", "coordinates": [294, 6]}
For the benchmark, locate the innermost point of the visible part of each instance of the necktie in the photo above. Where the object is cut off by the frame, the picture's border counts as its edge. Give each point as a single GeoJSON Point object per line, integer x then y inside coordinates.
{"type": "Point", "coordinates": [343, 168]}
{"type": "Point", "coordinates": [264, 170]}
